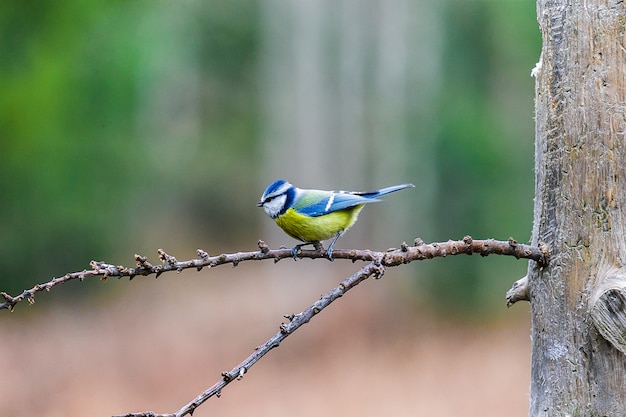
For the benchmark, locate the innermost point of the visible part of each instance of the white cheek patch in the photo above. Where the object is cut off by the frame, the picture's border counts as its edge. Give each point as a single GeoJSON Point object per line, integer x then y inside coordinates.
{"type": "Point", "coordinates": [275, 206]}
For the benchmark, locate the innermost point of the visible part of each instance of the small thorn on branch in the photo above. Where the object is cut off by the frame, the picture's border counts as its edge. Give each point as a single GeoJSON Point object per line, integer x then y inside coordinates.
{"type": "Point", "coordinates": [379, 271]}
{"type": "Point", "coordinates": [164, 257]}
{"type": "Point", "coordinates": [263, 247]}
{"type": "Point", "coordinates": [142, 262]}
{"type": "Point", "coordinates": [95, 265]}
{"type": "Point", "coordinates": [10, 301]}
{"type": "Point", "coordinates": [204, 256]}
{"type": "Point", "coordinates": [123, 271]}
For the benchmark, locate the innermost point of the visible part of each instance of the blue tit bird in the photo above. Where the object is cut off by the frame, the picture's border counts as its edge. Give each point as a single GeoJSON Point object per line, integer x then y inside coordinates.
{"type": "Point", "coordinates": [315, 215]}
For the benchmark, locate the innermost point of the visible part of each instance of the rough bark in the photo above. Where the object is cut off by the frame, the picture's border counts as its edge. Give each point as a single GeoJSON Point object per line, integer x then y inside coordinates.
{"type": "Point", "coordinates": [578, 301]}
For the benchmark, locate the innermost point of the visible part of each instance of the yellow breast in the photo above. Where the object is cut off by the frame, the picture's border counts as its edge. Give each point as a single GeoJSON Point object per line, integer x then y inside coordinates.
{"type": "Point", "coordinates": [310, 229]}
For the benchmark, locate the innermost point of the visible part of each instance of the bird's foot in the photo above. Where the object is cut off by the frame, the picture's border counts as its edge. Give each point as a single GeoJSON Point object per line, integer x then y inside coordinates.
{"type": "Point", "coordinates": [297, 250]}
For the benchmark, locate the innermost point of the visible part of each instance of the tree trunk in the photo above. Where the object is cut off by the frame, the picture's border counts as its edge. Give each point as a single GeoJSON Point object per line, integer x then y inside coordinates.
{"type": "Point", "coordinates": [578, 301]}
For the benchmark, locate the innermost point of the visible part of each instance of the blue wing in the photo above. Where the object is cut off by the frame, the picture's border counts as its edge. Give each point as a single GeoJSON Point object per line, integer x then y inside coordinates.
{"type": "Point", "coordinates": [315, 203]}
{"type": "Point", "coordinates": [332, 202]}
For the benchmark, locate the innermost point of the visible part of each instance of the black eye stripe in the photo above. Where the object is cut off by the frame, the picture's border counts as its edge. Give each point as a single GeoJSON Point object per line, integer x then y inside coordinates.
{"type": "Point", "coordinates": [271, 197]}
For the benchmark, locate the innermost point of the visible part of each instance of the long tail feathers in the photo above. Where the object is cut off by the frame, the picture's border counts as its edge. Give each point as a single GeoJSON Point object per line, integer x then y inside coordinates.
{"type": "Point", "coordinates": [383, 191]}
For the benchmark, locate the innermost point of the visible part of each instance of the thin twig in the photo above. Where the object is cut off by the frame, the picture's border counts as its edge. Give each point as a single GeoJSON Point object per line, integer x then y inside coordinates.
{"type": "Point", "coordinates": [374, 268]}
{"type": "Point", "coordinates": [379, 262]}
{"type": "Point", "coordinates": [392, 257]}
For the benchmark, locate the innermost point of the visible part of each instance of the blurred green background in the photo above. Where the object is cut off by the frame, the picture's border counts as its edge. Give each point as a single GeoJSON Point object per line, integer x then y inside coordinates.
{"type": "Point", "coordinates": [127, 126]}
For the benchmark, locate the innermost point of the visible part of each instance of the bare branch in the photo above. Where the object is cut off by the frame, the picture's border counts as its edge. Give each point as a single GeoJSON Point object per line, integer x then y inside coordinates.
{"type": "Point", "coordinates": [392, 257]}
{"type": "Point", "coordinates": [374, 269]}
{"type": "Point", "coordinates": [379, 261]}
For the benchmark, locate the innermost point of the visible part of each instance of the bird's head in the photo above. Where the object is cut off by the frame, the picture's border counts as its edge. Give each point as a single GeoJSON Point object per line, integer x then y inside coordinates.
{"type": "Point", "coordinates": [277, 197]}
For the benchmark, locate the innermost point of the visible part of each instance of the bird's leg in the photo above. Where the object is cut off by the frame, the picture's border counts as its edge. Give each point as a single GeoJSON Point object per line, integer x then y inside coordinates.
{"type": "Point", "coordinates": [329, 251]}
{"type": "Point", "coordinates": [296, 249]}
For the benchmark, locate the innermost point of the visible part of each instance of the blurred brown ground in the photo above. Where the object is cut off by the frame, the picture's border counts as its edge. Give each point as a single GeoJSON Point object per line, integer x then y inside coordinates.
{"type": "Point", "coordinates": [156, 344]}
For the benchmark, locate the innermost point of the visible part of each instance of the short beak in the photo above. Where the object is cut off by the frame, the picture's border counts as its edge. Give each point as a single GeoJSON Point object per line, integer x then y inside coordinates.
{"type": "Point", "coordinates": [259, 204]}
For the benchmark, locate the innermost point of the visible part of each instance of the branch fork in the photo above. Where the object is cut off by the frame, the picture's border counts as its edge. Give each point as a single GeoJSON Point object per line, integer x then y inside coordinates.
{"type": "Point", "coordinates": [377, 264]}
